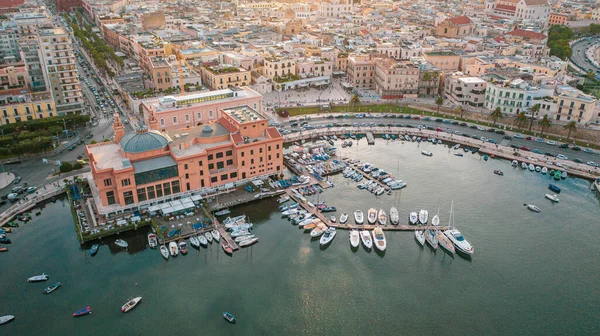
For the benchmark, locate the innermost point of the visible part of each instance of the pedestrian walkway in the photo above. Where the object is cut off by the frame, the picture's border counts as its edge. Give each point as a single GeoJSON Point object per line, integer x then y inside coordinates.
{"type": "Point", "coordinates": [31, 200]}
{"type": "Point", "coordinates": [6, 179]}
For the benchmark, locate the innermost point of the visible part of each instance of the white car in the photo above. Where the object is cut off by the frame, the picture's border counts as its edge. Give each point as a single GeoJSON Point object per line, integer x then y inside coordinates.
{"type": "Point", "coordinates": [483, 139]}
{"type": "Point", "coordinates": [562, 157]}
{"type": "Point", "coordinates": [480, 128]}
{"type": "Point", "coordinates": [588, 150]}
{"type": "Point", "coordinates": [592, 163]}
{"type": "Point", "coordinates": [550, 142]}
{"type": "Point", "coordinates": [519, 136]}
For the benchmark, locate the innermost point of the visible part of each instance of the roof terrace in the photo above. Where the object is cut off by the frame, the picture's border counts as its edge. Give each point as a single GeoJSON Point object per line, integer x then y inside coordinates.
{"type": "Point", "coordinates": [243, 114]}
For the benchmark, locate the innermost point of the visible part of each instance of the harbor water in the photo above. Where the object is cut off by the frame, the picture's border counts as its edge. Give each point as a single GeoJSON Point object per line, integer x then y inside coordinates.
{"type": "Point", "coordinates": [531, 274]}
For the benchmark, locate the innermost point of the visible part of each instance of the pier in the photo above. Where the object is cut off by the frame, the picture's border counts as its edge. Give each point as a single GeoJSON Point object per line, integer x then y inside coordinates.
{"type": "Point", "coordinates": [370, 138]}
{"type": "Point", "coordinates": [225, 235]}
{"type": "Point", "coordinates": [367, 176]}
{"type": "Point", "coordinates": [31, 200]}
{"type": "Point", "coordinates": [389, 227]}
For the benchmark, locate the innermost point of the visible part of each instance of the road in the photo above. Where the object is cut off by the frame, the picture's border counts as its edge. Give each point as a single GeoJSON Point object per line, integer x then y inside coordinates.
{"type": "Point", "coordinates": [578, 53]}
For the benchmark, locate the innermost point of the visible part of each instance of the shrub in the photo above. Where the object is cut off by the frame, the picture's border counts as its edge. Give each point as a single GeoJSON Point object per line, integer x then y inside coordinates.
{"type": "Point", "coordinates": [66, 167]}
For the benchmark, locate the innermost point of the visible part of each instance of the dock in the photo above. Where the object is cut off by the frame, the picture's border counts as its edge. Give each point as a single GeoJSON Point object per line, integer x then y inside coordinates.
{"type": "Point", "coordinates": [370, 138]}
{"type": "Point", "coordinates": [389, 227]}
{"type": "Point", "coordinates": [225, 235]}
{"type": "Point", "coordinates": [367, 176]}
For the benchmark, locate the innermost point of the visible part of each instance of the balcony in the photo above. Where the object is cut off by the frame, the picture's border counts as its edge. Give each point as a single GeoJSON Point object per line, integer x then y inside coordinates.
{"type": "Point", "coordinates": [478, 91]}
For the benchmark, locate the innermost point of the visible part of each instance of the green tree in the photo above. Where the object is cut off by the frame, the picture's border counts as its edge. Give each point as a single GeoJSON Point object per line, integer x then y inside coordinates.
{"type": "Point", "coordinates": [544, 123]}
{"type": "Point", "coordinates": [439, 102]}
{"type": "Point", "coordinates": [355, 101]}
{"type": "Point", "coordinates": [558, 41]}
{"type": "Point", "coordinates": [65, 167]}
{"type": "Point", "coordinates": [93, 142]}
{"type": "Point", "coordinates": [496, 115]}
{"type": "Point", "coordinates": [570, 127]}
{"type": "Point", "coordinates": [591, 75]}
{"type": "Point", "coordinates": [521, 120]}
{"type": "Point", "coordinates": [77, 165]}
{"type": "Point", "coordinates": [533, 111]}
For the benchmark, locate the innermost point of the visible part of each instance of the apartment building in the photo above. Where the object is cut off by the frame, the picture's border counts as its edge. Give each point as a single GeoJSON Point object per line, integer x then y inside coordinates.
{"type": "Point", "coordinates": [574, 105]}
{"type": "Point", "coordinates": [223, 76]}
{"type": "Point", "coordinates": [9, 45]}
{"type": "Point", "coordinates": [313, 67]}
{"type": "Point", "coordinates": [396, 79]}
{"type": "Point", "coordinates": [361, 71]}
{"type": "Point", "coordinates": [445, 61]}
{"type": "Point", "coordinates": [17, 107]}
{"type": "Point", "coordinates": [513, 97]}
{"type": "Point", "coordinates": [455, 27]}
{"type": "Point", "coordinates": [462, 90]}
{"type": "Point", "coordinates": [335, 8]}
{"type": "Point", "coordinates": [279, 67]}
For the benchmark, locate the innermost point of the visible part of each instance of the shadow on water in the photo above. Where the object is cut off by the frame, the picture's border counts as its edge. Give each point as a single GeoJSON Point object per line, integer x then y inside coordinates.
{"type": "Point", "coordinates": [465, 256]}
{"type": "Point", "coordinates": [324, 247]}
{"type": "Point", "coordinates": [381, 254]}
{"type": "Point", "coordinates": [367, 249]}
{"type": "Point", "coordinates": [353, 249]}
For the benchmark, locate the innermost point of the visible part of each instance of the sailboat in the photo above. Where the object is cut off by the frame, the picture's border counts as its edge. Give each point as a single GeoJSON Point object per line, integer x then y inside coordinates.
{"type": "Point", "coordinates": [456, 237]}
{"type": "Point", "coordinates": [420, 236]}
{"type": "Point", "coordinates": [431, 239]}
{"type": "Point", "coordinates": [423, 216]}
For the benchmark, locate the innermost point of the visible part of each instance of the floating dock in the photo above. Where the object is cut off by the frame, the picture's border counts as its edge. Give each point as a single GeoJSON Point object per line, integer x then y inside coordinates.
{"type": "Point", "coordinates": [225, 235]}
{"type": "Point", "coordinates": [370, 138]}
{"type": "Point", "coordinates": [389, 227]}
{"type": "Point", "coordinates": [367, 176]}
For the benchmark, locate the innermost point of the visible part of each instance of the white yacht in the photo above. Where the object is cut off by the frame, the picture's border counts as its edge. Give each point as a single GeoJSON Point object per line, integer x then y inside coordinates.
{"type": "Point", "coordinates": [379, 239]}
{"type": "Point", "coordinates": [38, 278]}
{"type": "Point", "coordinates": [173, 249]}
{"type": "Point", "coordinates": [164, 251]}
{"type": "Point", "coordinates": [328, 236]}
{"type": "Point", "coordinates": [354, 238]}
{"type": "Point", "coordinates": [365, 237]}
{"type": "Point", "coordinates": [372, 216]}
{"type": "Point", "coordinates": [532, 207]}
{"type": "Point", "coordinates": [459, 241]}
{"type": "Point", "coordinates": [553, 198]}
{"type": "Point", "coordinates": [413, 218]}
{"type": "Point", "coordinates": [319, 230]}
{"type": "Point", "coordinates": [394, 216]}
{"type": "Point", "coordinates": [343, 218]}
{"type": "Point", "coordinates": [426, 153]}
{"type": "Point", "coordinates": [423, 216]}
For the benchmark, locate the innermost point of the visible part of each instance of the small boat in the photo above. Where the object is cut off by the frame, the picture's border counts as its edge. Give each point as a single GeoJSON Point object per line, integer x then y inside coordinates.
{"type": "Point", "coordinates": [426, 153]}
{"type": "Point", "coordinates": [514, 163]}
{"type": "Point", "coordinates": [239, 233]}
{"type": "Point", "coordinates": [121, 243]}
{"type": "Point", "coordinates": [223, 212]}
{"type": "Point", "coordinates": [563, 175]}
{"type": "Point", "coordinates": [344, 218]}
{"type": "Point", "coordinates": [458, 154]}
{"type": "Point", "coordinates": [328, 209]}
{"type": "Point", "coordinates": [182, 246]}
{"type": "Point", "coordinates": [431, 239]}
{"type": "Point", "coordinates": [557, 175]}
{"type": "Point", "coordinates": [420, 236]}
{"type": "Point", "coordinates": [531, 167]}
{"type": "Point", "coordinates": [173, 249]}
{"type": "Point", "coordinates": [523, 165]}
{"type": "Point", "coordinates": [332, 218]}
{"type": "Point", "coordinates": [52, 288]}
{"type": "Point", "coordinates": [379, 239]}
{"type": "Point", "coordinates": [248, 242]}
{"type": "Point", "coordinates": [318, 231]}
{"type": "Point", "coordinates": [459, 241]}
{"type": "Point", "coordinates": [83, 311]}
{"type": "Point", "coordinates": [230, 220]}
{"type": "Point", "coordinates": [241, 239]}
{"type": "Point", "coordinates": [554, 188]}
{"type": "Point", "coordinates": [216, 235]}
{"type": "Point", "coordinates": [423, 216]}
{"type": "Point", "coordinates": [94, 249]}
{"type": "Point", "coordinates": [38, 278]}
{"type": "Point", "coordinates": [372, 216]}
{"type": "Point", "coordinates": [485, 157]}
{"type": "Point", "coordinates": [6, 318]}
{"type": "Point", "coordinates": [130, 304]}
{"type": "Point", "coordinates": [328, 236]}
{"type": "Point", "coordinates": [444, 242]}
{"type": "Point", "coordinates": [435, 221]}
{"type": "Point", "coordinates": [208, 237]}
{"type": "Point", "coordinates": [544, 170]}
{"type": "Point", "coordinates": [194, 242]}
{"type": "Point", "coordinates": [553, 198]}
{"type": "Point", "coordinates": [283, 199]}
{"type": "Point", "coordinates": [394, 216]}
{"type": "Point", "coordinates": [226, 247]}
{"type": "Point", "coordinates": [152, 240]}
{"type": "Point", "coordinates": [354, 238]}
{"type": "Point", "coordinates": [413, 218]}
{"type": "Point", "coordinates": [164, 251]}
{"type": "Point", "coordinates": [532, 207]}
{"type": "Point", "coordinates": [457, 146]}
{"type": "Point", "coordinates": [230, 318]}
{"type": "Point", "coordinates": [3, 249]}
{"type": "Point", "coordinates": [499, 172]}
{"type": "Point", "coordinates": [538, 169]}
{"type": "Point", "coordinates": [365, 237]}
{"type": "Point", "coordinates": [309, 226]}
{"type": "Point", "coordinates": [382, 217]}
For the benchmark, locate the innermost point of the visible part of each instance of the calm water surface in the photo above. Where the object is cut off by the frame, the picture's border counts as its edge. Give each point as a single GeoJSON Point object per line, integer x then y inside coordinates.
{"type": "Point", "coordinates": [532, 274]}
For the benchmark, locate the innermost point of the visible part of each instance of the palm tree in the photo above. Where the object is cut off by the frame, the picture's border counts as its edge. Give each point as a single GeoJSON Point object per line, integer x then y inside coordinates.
{"type": "Point", "coordinates": [533, 110]}
{"type": "Point", "coordinates": [496, 115]}
{"type": "Point", "coordinates": [439, 102]}
{"type": "Point", "coordinates": [544, 123]}
{"type": "Point", "coordinates": [355, 100]}
{"type": "Point", "coordinates": [571, 127]}
{"type": "Point", "coordinates": [521, 120]}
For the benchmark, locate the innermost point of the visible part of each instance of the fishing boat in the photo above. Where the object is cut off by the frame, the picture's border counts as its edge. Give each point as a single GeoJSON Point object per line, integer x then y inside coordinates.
{"type": "Point", "coordinates": [553, 198]}
{"type": "Point", "coordinates": [435, 221]}
{"type": "Point", "coordinates": [83, 311]}
{"type": "Point", "coordinates": [532, 207]}
{"type": "Point", "coordinates": [194, 242]}
{"type": "Point", "coordinates": [164, 251]}
{"type": "Point", "coordinates": [216, 235]}
{"type": "Point", "coordinates": [208, 237]}
{"type": "Point", "coordinates": [226, 247]}
{"type": "Point", "coordinates": [328, 236]}
{"type": "Point", "coordinates": [344, 218]}
{"type": "Point", "coordinates": [499, 172]}
{"type": "Point", "coordinates": [413, 218]}
{"type": "Point", "coordinates": [152, 240]}
{"type": "Point", "coordinates": [38, 278]}
{"type": "Point", "coordinates": [420, 236]}
{"type": "Point", "coordinates": [94, 249]}
{"type": "Point", "coordinates": [6, 318]}
{"type": "Point", "coordinates": [459, 241]}
{"type": "Point", "coordinates": [514, 163]}
{"type": "Point", "coordinates": [318, 231]}
{"type": "Point", "coordinates": [382, 217]}
{"type": "Point", "coordinates": [423, 216]}
{"type": "Point", "coordinates": [230, 318]}
{"type": "Point", "coordinates": [431, 239]}
{"type": "Point", "coordinates": [202, 240]}
{"type": "Point", "coordinates": [332, 218]}
{"type": "Point", "coordinates": [372, 216]}
{"type": "Point", "coordinates": [354, 238]}
{"type": "Point", "coordinates": [365, 237]}
{"type": "Point", "coordinates": [379, 239]}
{"type": "Point", "coordinates": [394, 216]}
{"type": "Point", "coordinates": [248, 242]}
{"type": "Point", "coordinates": [182, 246]}
{"type": "Point", "coordinates": [241, 239]}
{"type": "Point", "coordinates": [130, 304]}
{"type": "Point", "coordinates": [121, 243]}
{"type": "Point", "coordinates": [173, 249]}
{"type": "Point", "coordinates": [426, 153]}
{"type": "Point", "coordinates": [52, 287]}
{"type": "Point", "coordinates": [283, 199]}
{"type": "Point", "coordinates": [223, 212]}
{"type": "Point", "coordinates": [554, 188]}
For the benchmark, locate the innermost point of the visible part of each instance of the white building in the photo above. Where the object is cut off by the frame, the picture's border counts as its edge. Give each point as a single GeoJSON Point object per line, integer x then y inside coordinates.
{"type": "Point", "coordinates": [526, 10]}
{"type": "Point", "coordinates": [462, 90]}
{"type": "Point", "coordinates": [334, 8]}
{"type": "Point", "coordinates": [513, 97]}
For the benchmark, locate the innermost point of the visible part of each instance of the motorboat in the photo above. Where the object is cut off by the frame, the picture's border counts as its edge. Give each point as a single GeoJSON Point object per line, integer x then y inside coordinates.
{"type": "Point", "coordinates": [544, 170]}
{"type": "Point", "coordinates": [394, 216]}
{"type": "Point", "coordinates": [121, 243]}
{"type": "Point", "coordinates": [420, 236]}
{"type": "Point", "coordinates": [216, 235]}
{"type": "Point", "coordinates": [310, 226]}
{"type": "Point", "coordinates": [354, 238]}
{"type": "Point", "coordinates": [459, 241]}
{"type": "Point", "coordinates": [202, 240]}
{"type": "Point", "coordinates": [230, 220]}
{"type": "Point", "coordinates": [83, 311]}
{"type": "Point", "coordinates": [372, 216]}
{"type": "Point", "coordinates": [226, 247]}
{"type": "Point", "coordinates": [237, 226]}
{"type": "Point", "coordinates": [3, 249]}
{"type": "Point", "coordinates": [379, 239]}
{"type": "Point", "coordinates": [223, 212]}
{"type": "Point", "coordinates": [365, 237]}
{"type": "Point", "coordinates": [283, 199]}
{"type": "Point", "coordinates": [538, 169]}
{"type": "Point", "coordinates": [458, 154]}
{"type": "Point", "coordinates": [230, 318]}
{"type": "Point", "coordinates": [423, 216]}
{"type": "Point", "coordinates": [239, 233]}
{"type": "Point", "coordinates": [382, 217]}
{"type": "Point", "coordinates": [435, 221]}
{"type": "Point", "coordinates": [554, 188]}
{"type": "Point", "coordinates": [152, 240]}
{"type": "Point", "coordinates": [52, 288]}
{"type": "Point", "coordinates": [426, 153]}
{"type": "Point", "coordinates": [208, 237]}
{"type": "Point", "coordinates": [194, 242]}
{"type": "Point", "coordinates": [182, 246]}
{"type": "Point", "coordinates": [291, 212]}
{"type": "Point", "coordinates": [318, 231]}
{"type": "Point", "coordinates": [94, 249]}
{"type": "Point", "coordinates": [413, 218]}
{"type": "Point", "coordinates": [457, 146]}
{"type": "Point", "coordinates": [6, 318]}
{"type": "Point", "coordinates": [563, 175]}
{"type": "Point", "coordinates": [444, 242]}
{"type": "Point", "coordinates": [328, 236]}
{"type": "Point", "coordinates": [242, 238]}
{"type": "Point", "coordinates": [164, 251]}
{"type": "Point", "coordinates": [328, 209]}
{"type": "Point", "coordinates": [499, 172]}
{"type": "Point", "coordinates": [531, 167]}
{"type": "Point", "coordinates": [359, 217]}
{"type": "Point", "coordinates": [557, 175]}
{"type": "Point", "coordinates": [343, 218]}
{"type": "Point", "coordinates": [532, 207]}
{"type": "Point", "coordinates": [332, 219]}
{"type": "Point", "coordinates": [431, 239]}
{"type": "Point", "coordinates": [523, 165]}
{"type": "Point", "coordinates": [130, 304]}
{"type": "Point", "coordinates": [553, 198]}
{"type": "Point", "coordinates": [38, 278]}
{"type": "Point", "coordinates": [515, 163]}
{"type": "Point", "coordinates": [248, 242]}
{"type": "Point", "coordinates": [173, 249]}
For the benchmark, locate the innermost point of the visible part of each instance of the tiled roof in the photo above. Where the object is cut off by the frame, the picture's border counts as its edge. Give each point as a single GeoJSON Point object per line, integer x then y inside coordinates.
{"type": "Point", "coordinates": [460, 20]}
{"type": "Point", "coordinates": [527, 34]}
{"type": "Point", "coordinates": [506, 7]}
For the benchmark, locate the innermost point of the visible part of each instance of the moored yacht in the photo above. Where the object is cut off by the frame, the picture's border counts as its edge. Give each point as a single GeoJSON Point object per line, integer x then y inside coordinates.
{"type": "Point", "coordinates": [379, 239]}
{"type": "Point", "coordinates": [173, 249]}
{"type": "Point", "coordinates": [431, 239]}
{"type": "Point", "coordinates": [444, 242]}
{"type": "Point", "coordinates": [343, 218]}
{"type": "Point", "coordinates": [328, 236]}
{"type": "Point", "coordinates": [459, 241]}
{"type": "Point", "coordinates": [553, 198]}
{"type": "Point", "coordinates": [435, 221]}
{"type": "Point", "coordinates": [372, 216]}
{"type": "Point", "coordinates": [413, 218]}
{"type": "Point", "coordinates": [423, 216]}
{"type": "Point", "coordinates": [365, 237]}
{"type": "Point", "coordinates": [354, 238]}
{"type": "Point", "coordinates": [359, 217]}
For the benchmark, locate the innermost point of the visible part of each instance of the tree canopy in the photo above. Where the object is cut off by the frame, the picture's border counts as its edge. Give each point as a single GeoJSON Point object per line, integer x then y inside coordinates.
{"type": "Point", "coordinates": [558, 41]}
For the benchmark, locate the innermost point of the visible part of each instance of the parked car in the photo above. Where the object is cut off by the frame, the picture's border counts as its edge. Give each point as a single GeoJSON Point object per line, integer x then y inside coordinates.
{"type": "Point", "coordinates": [576, 148]}
{"type": "Point", "coordinates": [550, 142]}
{"type": "Point", "coordinates": [525, 148]}
{"type": "Point", "coordinates": [491, 141]}
{"type": "Point", "coordinates": [519, 136]}
{"type": "Point", "coordinates": [528, 138]}
{"type": "Point", "coordinates": [592, 163]}
{"type": "Point", "coordinates": [500, 132]}
{"type": "Point", "coordinates": [539, 140]}
{"type": "Point", "coordinates": [577, 160]}
{"type": "Point", "coordinates": [537, 151]}
{"type": "Point", "coordinates": [588, 150]}
{"type": "Point", "coordinates": [562, 157]}
{"type": "Point", "coordinates": [564, 145]}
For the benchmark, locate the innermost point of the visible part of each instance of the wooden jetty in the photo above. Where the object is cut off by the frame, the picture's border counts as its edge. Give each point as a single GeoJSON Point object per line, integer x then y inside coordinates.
{"type": "Point", "coordinates": [225, 235]}
{"type": "Point", "coordinates": [370, 138]}
{"type": "Point", "coordinates": [368, 176]}
{"type": "Point", "coordinates": [389, 227]}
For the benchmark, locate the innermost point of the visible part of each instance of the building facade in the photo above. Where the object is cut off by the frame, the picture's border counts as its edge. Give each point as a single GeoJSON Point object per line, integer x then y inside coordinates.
{"type": "Point", "coordinates": [279, 67]}
{"type": "Point", "coordinates": [361, 71]}
{"type": "Point", "coordinates": [462, 90]}
{"type": "Point", "coordinates": [574, 105]}
{"type": "Point", "coordinates": [224, 76]}
{"type": "Point", "coordinates": [396, 79]}
{"type": "Point", "coordinates": [513, 97]}
{"type": "Point", "coordinates": [459, 26]}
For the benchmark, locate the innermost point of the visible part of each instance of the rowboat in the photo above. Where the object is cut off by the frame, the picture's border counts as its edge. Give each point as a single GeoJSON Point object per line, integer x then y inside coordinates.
{"type": "Point", "coordinates": [164, 251]}
{"type": "Point", "coordinates": [83, 311]}
{"type": "Point", "coordinates": [130, 304]}
{"type": "Point", "coordinates": [52, 288]}
{"type": "Point", "coordinates": [226, 247]}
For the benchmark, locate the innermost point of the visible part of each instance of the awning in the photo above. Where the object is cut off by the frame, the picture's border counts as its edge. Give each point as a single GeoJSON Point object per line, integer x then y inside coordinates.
{"type": "Point", "coordinates": [257, 183]}
{"type": "Point", "coordinates": [196, 198]}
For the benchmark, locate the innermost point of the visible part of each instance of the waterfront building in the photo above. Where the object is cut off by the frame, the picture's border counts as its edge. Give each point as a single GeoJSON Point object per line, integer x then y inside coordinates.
{"type": "Point", "coordinates": [396, 79]}
{"type": "Point", "coordinates": [514, 96]}
{"type": "Point", "coordinates": [463, 90]}
{"type": "Point", "coordinates": [150, 165]}
{"type": "Point", "coordinates": [574, 105]}
{"type": "Point", "coordinates": [361, 71]}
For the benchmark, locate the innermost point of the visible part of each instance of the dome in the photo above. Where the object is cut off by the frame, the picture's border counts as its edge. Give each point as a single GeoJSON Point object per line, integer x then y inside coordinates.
{"type": "Point", "coordinates": [142, 141]}
{"type": "Point", "coordinates": [207, 129]}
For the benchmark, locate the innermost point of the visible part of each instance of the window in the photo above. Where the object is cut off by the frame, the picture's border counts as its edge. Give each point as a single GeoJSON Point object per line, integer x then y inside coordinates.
{"type": "Point", "coordinates": [269, 148]}
{"type": "Point", "coordinates": [128, 197]}
{"type": "Point", "coordinates": [141, 194]}
{"type": "Point", "coordinates": [252, 152]}
{"type": "Point", "coordinates": [242, 154]}
{"type": "Point", "coordinates": [229, 162]}
{"type": "Point", "coordinates": [167, 188]}
{"type": "Point", "coordinates": [125, 182]}
{"type": "Point", "coordinates": [229, 153]}
{"type": "Point", "coordinates": [200, 163]}
{"type": "Point", "coordinates": [158, 190]}
{"type": "Point", "coordinates": [187, 117]}
{"type": "Point", "coordinates": [219, 155]}
{"type": "Point", "coordinates": [277, 146]}
{"type": "Point", "coordinates": [213, 179]}
{"type": "Point", "coordinates": [211, 166]}
{"type": "Point", "coordinates": [224, 177]}
{"type": "Point", "coordinates": [243, 163]}
{"type": "Point", "coordinates": [107, 182]}
{"type": "Point", "coordinates": [202, 173]}
{"type": "Point", "coordinates": [252, 161]}
{"type": "Point", "coordinates": [110, 197]}
{"type": "Point", "coordinates": [199, 116]}
{"type": "Point", "coordinates": [174, 120]}
{"type": "Point", "coordinates": [233, 175]}
{"type": "Point", "coordinates": [210, 157]}
{"type": "Point", "coordinates": [187, 176]}
{"type": "Point", "coordinates": [260, 150]}
{"type": "Point", "coordinates": [220, 165]}
{"type": "Point", "coordinates": [162, 122]}
{"type": "Point", "coordinates": [260, 159]}
{"type": "Point", "coordinates": [185, 166]}
{"type": "Point", "coordinates": [175, 187]}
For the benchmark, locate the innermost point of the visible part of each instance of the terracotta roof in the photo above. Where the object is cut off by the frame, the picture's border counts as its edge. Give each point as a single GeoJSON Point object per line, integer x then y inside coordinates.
{"type": "Point", "coordinates": [536, 2]}
{"type": "Point", "coordinates": [237, 138]}
{"type": "Point", "coordinates": [527, 34]}
{"type": "Point", "coordinates": [273, 133]}
{"type": "Point", "coordinates": [460, 20]}
{"type": "Point", "coordinates": [506, 7]}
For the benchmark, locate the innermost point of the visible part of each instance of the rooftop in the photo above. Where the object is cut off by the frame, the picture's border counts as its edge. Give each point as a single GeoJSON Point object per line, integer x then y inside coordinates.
{"type": "Point", "coordinates": [153, 164]}
{"type": "Point", "coordinates": [471, 80]}
{"type": "Point", "coordinates": [243, 114]}
{"type": "Point", "coordinates": [173, 102]}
